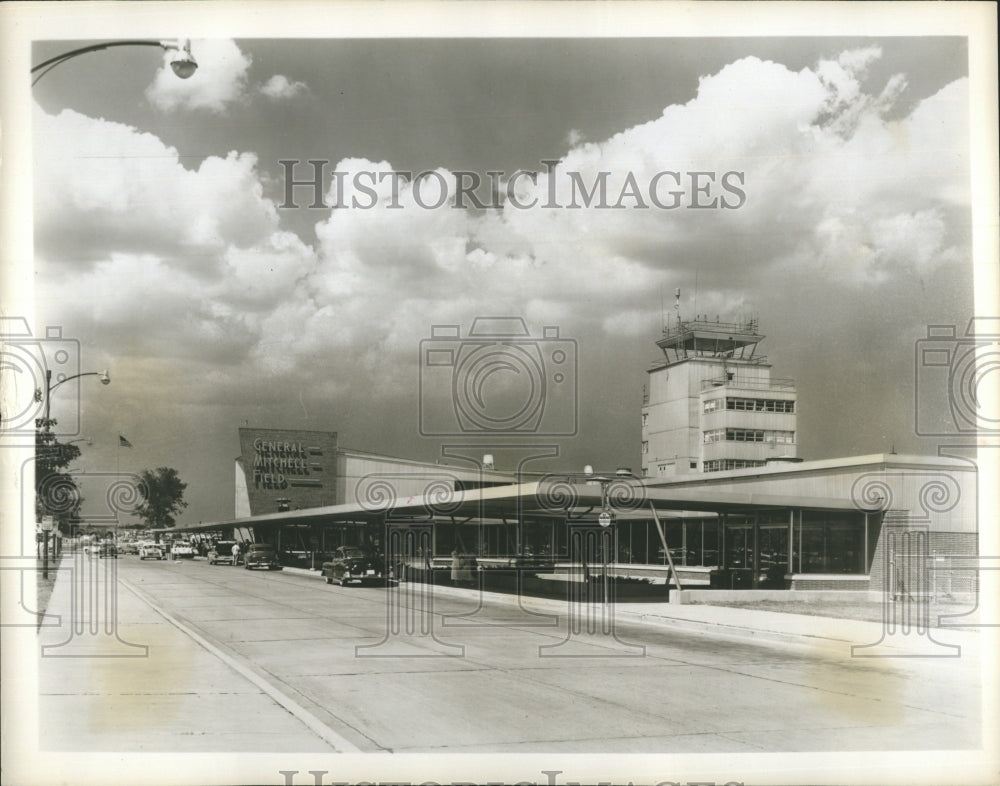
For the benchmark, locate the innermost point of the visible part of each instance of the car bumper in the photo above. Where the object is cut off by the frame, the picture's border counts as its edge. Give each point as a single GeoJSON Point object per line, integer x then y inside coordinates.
{"type": "Point", "coordinates": [358, 575]}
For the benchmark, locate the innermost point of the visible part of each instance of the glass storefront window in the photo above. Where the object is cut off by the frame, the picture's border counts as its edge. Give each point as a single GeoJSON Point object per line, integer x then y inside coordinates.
{"type": "Point", "coordinates": [831, 543]}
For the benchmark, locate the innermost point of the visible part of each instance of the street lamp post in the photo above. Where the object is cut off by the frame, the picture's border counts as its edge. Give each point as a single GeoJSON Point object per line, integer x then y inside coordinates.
{"type": "Point", "coordinates": [49, 387]}
{"type": "Point", "coordinates": [182, 61]}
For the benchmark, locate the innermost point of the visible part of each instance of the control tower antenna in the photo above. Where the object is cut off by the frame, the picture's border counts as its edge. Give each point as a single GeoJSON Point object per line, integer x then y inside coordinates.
{"type": "Point", "coordinates": [677, 306]}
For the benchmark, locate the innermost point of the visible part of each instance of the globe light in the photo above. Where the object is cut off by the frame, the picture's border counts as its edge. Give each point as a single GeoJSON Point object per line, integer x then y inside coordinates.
{"type": "Point", "coordinates": [183, 62]}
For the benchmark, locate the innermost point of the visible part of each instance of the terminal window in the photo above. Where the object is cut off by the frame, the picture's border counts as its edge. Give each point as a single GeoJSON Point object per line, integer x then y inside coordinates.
{"type": "Point", "coordinates": [758, 405]}
{"type": "Point", "coordinates": [749, 435]}
{"type": "Point", "coordinates": [719, 465]}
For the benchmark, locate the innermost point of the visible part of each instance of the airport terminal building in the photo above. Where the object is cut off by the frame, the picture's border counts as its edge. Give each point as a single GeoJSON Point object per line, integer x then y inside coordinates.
{"type": "Point", "coordinates": [723, 501]}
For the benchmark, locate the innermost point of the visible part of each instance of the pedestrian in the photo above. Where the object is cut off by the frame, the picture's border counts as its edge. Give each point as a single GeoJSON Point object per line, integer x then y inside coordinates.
{"type": "Point", "coordinates": [465, 576]}
{"type": "Point", "coordinates": [236, 553]}
{"type": "Point", "coordinates": [456, 567]}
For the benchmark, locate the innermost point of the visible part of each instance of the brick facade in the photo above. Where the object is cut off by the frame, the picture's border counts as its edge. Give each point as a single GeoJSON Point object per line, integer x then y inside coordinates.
{"type": "Point", "coordinates": [288, 469]}
{"type": "Point", "coordinates": [801, 582]}
{"type": "Point", "coordinates": [916, 548]}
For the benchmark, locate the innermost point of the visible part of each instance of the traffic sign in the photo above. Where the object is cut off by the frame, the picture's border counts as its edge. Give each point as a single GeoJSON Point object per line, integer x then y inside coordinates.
{"type": "Point", "coordinates": [604, 519]}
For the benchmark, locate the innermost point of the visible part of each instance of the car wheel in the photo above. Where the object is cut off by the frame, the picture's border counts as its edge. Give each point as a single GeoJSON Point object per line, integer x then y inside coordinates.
{"type": "Point", "coordinates": [329, 580]}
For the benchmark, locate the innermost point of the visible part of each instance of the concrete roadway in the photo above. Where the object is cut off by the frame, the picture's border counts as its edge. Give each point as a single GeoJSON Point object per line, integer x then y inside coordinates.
{"type": "Point", "coordinates": [489, 687]}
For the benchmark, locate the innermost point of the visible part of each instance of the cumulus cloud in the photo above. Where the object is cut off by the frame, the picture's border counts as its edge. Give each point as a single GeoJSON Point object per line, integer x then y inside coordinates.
{"type": "Point", "coordinates": [129, 192]}
{"type": "Point", "coordinates": [195, 262]}
{"type": "Point", "coordinates": [280, 86]}
{"type": "Point", "coordinates": [220, 80]}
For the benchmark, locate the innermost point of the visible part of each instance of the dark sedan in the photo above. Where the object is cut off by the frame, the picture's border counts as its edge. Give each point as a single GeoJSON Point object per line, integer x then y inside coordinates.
{"type": "Point", "coordinates": [261, 555]}
{"type": "Point", "coordinates": [352, 563]}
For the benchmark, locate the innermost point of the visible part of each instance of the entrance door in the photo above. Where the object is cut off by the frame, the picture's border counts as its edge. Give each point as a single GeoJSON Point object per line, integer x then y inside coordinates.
{"type": "Point", "coordinates": [772, 556]}
{"type": "Point", "coordinates": [757, 555]}
{"type": "Point", "coordinates": [740, 556]}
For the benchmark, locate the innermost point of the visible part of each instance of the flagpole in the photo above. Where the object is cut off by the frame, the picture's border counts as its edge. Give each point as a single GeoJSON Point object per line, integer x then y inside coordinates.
{"type": "Point", "coordinates": [118, 476]}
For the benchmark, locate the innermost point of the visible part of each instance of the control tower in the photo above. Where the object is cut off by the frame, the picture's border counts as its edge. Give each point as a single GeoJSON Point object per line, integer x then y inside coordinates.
{"type": "Point", "coordinates": [711, 402]}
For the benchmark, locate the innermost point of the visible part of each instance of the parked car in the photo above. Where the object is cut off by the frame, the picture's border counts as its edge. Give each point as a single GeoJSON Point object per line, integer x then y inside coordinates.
{"type": "Point", "coordinates": [260, 555]}
{"type": "Point", "coordinates": [151, 551]}
{"type": "Point", "coordinates": [107, 549]}
{"type": "Point", "coordinates": [222, 552]}
{"type": "Point", "coordinates": [353, 564]}
{"type": "Point", "coordinates": [128, 547]}
{"type": "Point", "coordinates": [181, 550]}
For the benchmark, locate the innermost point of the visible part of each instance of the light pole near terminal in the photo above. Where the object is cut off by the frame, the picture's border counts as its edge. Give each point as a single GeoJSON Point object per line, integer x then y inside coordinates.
{"type": "Point", "coordinates": [182, 61]}
{"type": "Point", "coordinates": [49, 387]}
{"type": "Point", "coordinates": [47, 428]}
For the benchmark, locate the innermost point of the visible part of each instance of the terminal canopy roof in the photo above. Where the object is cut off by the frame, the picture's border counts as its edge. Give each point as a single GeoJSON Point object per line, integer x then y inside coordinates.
{"type": "Point", "coordinates": [554, 497]}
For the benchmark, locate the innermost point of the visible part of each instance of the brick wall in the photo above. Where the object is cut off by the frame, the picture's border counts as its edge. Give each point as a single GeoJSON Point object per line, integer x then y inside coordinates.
{"type": "Point", "coordinates": [289, 467]}
{"type": "Point", "coordinates": [806, 583]}
{"type": "Point", "coordinates": [940, 576]}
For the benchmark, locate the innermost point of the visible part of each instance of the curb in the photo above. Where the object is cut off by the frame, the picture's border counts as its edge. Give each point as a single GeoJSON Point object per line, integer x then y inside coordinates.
{"type": "Point", "coordinates": [551, 605]}
{"type": "Point", "coordinates": [742, 632]}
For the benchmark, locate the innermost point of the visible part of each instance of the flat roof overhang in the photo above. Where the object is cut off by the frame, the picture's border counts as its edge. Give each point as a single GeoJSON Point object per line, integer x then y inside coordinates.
{"type": "Point", "coordinates": [505, 503]}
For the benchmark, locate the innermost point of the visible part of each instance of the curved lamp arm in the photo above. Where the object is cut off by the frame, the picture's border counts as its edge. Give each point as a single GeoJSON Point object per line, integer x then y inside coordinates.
{"type": "Point", "coordinates": [183, 63]}
{"type": "Point", "coordinates": [105, 380]}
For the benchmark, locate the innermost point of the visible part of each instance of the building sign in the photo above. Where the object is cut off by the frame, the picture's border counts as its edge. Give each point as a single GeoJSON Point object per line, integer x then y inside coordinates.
{"type": "Point", "coordinates": [277, 464]}
{"type": "Point", "coordinates": [286, 469]}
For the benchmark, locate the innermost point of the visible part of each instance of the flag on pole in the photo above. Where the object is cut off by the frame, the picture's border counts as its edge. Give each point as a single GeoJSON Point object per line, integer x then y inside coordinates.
{"type": "Point", "coordinates": [124, 443]}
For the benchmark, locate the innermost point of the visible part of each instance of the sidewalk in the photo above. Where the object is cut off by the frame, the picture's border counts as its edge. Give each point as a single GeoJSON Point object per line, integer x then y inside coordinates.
{"type": "Point", "coordinates": [852, 637]}
{"type": "Point", "coordinates": [146, 684]}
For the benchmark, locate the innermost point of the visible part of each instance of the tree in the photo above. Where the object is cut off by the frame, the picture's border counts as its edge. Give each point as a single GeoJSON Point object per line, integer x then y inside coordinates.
{"type": "Point", "coordinates": [56, 492]}
{"type": "Point", "coordinates": [164, 497]}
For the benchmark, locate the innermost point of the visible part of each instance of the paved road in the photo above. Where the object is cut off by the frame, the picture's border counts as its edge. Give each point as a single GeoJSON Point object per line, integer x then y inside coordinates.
{"type": "Point", "coordinates": [499, 679]}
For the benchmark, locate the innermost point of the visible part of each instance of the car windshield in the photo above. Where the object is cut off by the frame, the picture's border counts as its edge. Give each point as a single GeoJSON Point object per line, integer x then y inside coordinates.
{"type": "Point", "coordinates": [351, 552]}
{"type": "Point", "coordinates": [261, 547]}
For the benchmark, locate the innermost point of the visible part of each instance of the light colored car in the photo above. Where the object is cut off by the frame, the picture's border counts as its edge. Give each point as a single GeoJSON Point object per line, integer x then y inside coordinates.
{"type": "Point", "coordinates": [181, 550]}
{"type": "Point", "coordinates": [222, 552]}
{"type": "Point", "coordinates": [151, 551]}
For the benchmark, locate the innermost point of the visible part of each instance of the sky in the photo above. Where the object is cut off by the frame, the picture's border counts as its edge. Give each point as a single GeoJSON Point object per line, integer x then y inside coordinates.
{"type": "Point", "coordinates": [162, 244]}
